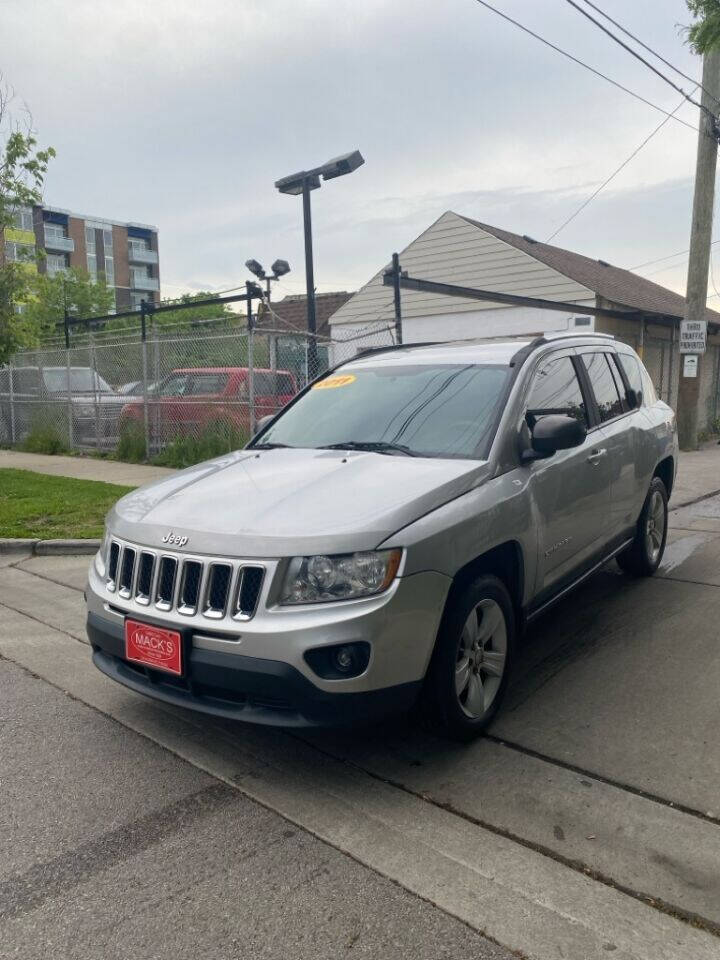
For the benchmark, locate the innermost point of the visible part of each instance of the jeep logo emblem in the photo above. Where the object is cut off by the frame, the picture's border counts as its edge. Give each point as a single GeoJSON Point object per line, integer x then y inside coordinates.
{"type": "Point", "coordinates": [174, 539]}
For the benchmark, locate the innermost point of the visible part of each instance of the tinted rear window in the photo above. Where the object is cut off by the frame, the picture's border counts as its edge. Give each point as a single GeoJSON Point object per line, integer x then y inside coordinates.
{"type": "Point", "coordinates": [269, 384]}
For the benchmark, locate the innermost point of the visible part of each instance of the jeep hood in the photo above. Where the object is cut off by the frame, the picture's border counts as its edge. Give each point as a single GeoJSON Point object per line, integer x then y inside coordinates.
{"type": "Point", "coordinates": [288, 502]}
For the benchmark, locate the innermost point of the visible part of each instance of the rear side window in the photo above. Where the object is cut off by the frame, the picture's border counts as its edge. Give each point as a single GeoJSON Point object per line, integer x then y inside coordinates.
{"type": "Point", "coordinates": [556, 389]}
{"type": "Point", "coordinates": [174, 386]}
{"type": "Point", "coordinates": [603, 384]}
{"type": "Point", "coordinates": [269, 384]}
{"type": "Point", "coordinates": [633, 373]}
{"type": "Point", "coordinates": [205, 384]}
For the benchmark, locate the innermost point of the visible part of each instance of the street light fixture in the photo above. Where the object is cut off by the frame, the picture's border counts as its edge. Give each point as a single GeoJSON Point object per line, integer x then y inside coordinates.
{"type": "Point", "coordinates": [302, 183]}
{"type": "Point", "coordinates": [279, 269]}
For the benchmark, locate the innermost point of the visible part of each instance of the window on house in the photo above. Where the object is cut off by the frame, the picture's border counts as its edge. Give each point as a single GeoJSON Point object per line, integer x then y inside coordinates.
{"type": "Point", "coordinates": [137, 245]}
{"type": "Point", "coordinates": [54, 231]}
{"type": "Point", "coordinates": [18, 252]}
{"type": "Point", "coordinates": [91, 247]}
{"type": "Point", "coordinates": [23, 218]}
{"type": "Point", "coordinates": [56, 263]}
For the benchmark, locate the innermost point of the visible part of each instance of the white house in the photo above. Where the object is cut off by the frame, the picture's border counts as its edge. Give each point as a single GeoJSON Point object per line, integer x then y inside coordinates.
{"type": "Point", "coordinates": [460, 251]}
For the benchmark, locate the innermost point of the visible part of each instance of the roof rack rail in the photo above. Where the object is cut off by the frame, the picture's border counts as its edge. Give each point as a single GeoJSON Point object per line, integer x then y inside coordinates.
{"type": "Point", "coordinates": [521, 356]}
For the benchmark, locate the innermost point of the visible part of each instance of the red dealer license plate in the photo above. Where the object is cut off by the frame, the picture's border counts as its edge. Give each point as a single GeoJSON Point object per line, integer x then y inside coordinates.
{"type": "Point", "coordinates": [154, 647]}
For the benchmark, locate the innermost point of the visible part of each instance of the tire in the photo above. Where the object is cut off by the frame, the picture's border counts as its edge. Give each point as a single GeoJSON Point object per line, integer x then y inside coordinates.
{"type": "Point", "coordinates": [470, 666]}
{"type": "Point", "coordinates": [643, 556]}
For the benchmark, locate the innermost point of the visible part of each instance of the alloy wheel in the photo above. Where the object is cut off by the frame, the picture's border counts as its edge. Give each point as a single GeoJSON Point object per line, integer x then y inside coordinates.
{"type": "Point", "coordinates": [481, 658]}
{"type": "Point", "coordinates": [655, 526]}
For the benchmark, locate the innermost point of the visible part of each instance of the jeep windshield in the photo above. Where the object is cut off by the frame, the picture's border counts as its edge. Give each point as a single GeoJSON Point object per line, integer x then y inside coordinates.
{"type": "Point", "coordinates": [81, 380]}
{"type": "Point", "coordinates": [430, 410]}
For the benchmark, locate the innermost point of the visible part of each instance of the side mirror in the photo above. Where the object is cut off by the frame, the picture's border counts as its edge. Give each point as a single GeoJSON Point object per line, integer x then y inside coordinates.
{"type": "Point", "coordinates": [552, 433]}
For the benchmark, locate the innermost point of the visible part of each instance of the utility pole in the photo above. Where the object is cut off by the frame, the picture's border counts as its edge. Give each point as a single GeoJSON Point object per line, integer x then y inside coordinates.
{"type": "Point", "coordinates": [700, 239]}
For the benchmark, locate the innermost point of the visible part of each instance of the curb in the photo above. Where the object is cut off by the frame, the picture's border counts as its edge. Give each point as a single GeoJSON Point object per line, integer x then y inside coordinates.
{"type": "Point", "coordinates": [17, 546]}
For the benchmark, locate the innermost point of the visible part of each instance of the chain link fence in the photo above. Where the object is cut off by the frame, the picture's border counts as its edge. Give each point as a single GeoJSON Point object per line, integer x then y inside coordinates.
{"type": "Point", "coordinates": [179, 396]}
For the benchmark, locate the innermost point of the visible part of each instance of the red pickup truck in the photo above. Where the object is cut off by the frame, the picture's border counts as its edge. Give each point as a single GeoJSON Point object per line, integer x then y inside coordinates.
{"type": "Point", "coordinates": [189, 401]}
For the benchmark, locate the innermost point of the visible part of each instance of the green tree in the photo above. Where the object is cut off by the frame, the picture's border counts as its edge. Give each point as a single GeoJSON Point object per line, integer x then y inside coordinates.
{"type": "Point", "coordinates": [50, 295]}
{"type": "Point", "coordinates": [188, 316]}
{"type": "Point", "coordinates": [704, 34]}
{"type": "Point", "coordinates": [22, 174]}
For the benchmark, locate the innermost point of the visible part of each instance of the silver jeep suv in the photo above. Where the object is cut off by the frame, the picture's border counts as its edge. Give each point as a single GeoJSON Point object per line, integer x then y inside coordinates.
{"type": "Point", "coordinates": [386, 537]}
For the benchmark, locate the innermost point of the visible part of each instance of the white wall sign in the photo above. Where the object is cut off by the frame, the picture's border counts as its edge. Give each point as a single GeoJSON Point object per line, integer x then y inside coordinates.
{"type": "Point", "coordinates": [693, 336]}
{"type": "Point", "coordinates": [690, 365]}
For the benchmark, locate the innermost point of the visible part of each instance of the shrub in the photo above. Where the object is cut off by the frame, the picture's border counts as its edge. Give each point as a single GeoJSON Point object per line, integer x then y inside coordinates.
{"type": "Point", "coordinates": [47, 434]}
{"type": "Point", "coordinates": [185, 451]}
{"type": "Point", "coordinates": [131, 445]}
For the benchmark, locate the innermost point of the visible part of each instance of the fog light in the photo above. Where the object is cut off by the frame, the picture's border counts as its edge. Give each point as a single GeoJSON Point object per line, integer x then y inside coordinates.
{"type": "Point", "coordinates": [339, 662]}
{"type": "Point", "coordinates": [343, 659]}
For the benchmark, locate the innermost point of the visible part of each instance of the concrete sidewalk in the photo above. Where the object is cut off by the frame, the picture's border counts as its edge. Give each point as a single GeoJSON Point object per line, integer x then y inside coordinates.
{"type": "Point", "coordinates": [83, 468]}
{"type": "Point", "coordinates": [698, 474]}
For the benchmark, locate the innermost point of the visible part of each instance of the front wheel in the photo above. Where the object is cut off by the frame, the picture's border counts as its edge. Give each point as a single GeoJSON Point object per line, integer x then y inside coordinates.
{"type": "Point", "coordinates": [643, 556]}
{"type": "Point", "coordinates": [470, 666]}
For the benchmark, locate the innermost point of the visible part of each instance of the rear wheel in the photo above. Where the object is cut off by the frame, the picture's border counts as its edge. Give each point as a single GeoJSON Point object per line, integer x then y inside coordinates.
{"type": "Point", "coordinates": [469, 670]}
{"type": "Point", "coordinates": [643, 556]}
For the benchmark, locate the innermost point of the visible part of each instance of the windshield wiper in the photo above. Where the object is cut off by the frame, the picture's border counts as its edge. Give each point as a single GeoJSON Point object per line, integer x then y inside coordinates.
{"type": "Point", "coordinates": [373, 446]}
{"type": "Point", "coordinates": [270, 446]}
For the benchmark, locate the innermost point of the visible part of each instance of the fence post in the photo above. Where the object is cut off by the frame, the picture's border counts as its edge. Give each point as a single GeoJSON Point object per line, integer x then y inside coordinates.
{"type": "Point", "coordinates": [396, 297]}
{"type": "Point", "coordinates": [671, 371]}
{"type": "Point", "coordinates": [272, 344]}
{"type": "Point", "coordinates": [146, 418]}
{"type": "Point", "coordinates": [66, 324]}
{"type": "Point", "coordinates": [93, 367]}
{"type": "Point", "coordinates": [11, 376]}
{"type": "Point", "coordinates": [251, 357]}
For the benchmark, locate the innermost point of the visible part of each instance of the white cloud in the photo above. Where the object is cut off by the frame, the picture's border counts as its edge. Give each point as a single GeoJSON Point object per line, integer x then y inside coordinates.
{"type": "Point", "coordinates": [183, 114]}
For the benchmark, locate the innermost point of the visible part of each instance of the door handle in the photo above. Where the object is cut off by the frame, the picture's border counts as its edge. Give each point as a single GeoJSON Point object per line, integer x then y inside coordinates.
{"type": "Point", "coordinates": [594, 457]}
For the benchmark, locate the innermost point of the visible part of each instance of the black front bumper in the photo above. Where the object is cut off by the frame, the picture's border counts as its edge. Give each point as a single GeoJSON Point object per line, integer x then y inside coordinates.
{"type": "Point", "coordinates": [244, 688]}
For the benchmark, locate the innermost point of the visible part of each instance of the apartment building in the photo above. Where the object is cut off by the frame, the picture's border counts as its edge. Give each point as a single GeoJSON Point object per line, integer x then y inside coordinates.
{"type": "Point", "coordinates": [126, 253]}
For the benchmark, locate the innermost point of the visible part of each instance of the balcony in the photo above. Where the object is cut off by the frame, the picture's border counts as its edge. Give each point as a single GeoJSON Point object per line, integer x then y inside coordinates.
{"type": "Point", "coordinates": [138, 282]}
{"type": "Point", "coordinates": [55, 242]}
{"type": "Point", "coordinates": [141, 255]}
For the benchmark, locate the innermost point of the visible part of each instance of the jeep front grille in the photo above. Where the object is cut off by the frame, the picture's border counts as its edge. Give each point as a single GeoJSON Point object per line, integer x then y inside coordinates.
{"type": "Point", "coordinates": [165, 591]}
{"type": "Point", "coordinates": [215, 589]}
{"type": "Point", "coordinates": [143, 590]}
{"type": "Point", "coordinates": [127, 569]}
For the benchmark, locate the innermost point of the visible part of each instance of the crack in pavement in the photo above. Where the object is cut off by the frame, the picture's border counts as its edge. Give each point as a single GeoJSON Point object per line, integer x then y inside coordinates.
{"type": "Point", "coordinates": [48, 880]}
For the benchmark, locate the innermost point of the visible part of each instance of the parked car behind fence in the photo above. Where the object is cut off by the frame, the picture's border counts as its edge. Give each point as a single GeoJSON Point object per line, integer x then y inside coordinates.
{"type": "Point", "coordinates": [189, 402]}
{"type": "Point", "coordinates": [75, 402]}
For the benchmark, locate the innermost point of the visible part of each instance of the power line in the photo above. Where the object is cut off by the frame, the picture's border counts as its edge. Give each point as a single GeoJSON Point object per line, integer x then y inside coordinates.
{"type": "Point", "coordinates": [516, 23]}
{"type": "Point", "coordinates": [649, 49]}
{"type": "Point", "coordinates": [637, 56]}
{"type": "Point", "coordinates": [670, 256]}
{"type": "Point", "coordinates": [612, 176]}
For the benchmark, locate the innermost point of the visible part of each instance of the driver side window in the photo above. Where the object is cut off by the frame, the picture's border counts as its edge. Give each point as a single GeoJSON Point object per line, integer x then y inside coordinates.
{"type": "Point", "coordinates": [174, 386]}
{"type": "Point", "coordinates": [556, 389]}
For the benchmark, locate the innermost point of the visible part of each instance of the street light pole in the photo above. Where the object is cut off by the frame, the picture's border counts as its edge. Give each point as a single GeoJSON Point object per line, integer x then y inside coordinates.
{"type": "Point", "coordinates": [309, 282]}
{"type": "Point", "coordinates": [302, 183]}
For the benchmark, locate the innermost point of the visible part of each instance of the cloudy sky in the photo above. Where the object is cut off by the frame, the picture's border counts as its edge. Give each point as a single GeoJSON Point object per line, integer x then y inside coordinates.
{"type": "Point", "coordinates": [183, 114]}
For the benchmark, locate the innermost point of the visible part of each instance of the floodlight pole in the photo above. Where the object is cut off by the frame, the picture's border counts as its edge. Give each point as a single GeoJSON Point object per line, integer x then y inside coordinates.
{"type": "Point", "coordinates": [309, 282]}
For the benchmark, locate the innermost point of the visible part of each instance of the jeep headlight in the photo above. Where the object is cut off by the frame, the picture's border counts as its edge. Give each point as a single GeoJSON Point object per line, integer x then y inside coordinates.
{"type": "Point", "coordinates": [342, 577]}
{"type": "Point", "coordinates": [101, 556]}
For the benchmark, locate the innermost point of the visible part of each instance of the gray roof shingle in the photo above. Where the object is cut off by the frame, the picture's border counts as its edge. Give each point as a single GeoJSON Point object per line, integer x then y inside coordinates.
{"type": "Point", "coordinates": [612, 283]}
{"type": "Point", "coordinates": [293, 311]}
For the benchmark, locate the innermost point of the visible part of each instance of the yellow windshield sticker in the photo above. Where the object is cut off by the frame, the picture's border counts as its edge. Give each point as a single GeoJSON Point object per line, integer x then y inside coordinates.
{"type": "Point", "coordinates": [331, 382]}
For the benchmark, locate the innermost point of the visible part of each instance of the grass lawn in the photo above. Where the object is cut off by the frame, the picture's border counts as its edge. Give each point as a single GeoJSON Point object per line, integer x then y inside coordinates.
{"type": "Point", "coordinates": [48, 507]}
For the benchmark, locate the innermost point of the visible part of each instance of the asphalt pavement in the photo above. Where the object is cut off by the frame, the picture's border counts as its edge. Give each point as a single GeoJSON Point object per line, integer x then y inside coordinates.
{"type": "Point", "coordinates": [586, 825]}
{"type": "Point", "coordinates": [111, 847]}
